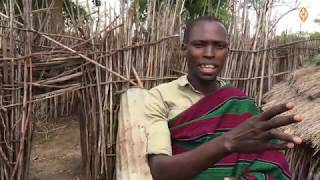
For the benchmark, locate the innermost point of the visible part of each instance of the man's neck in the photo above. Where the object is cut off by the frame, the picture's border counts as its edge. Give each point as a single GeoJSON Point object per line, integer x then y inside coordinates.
{"type": "Point", "coordinates": [203, 86]}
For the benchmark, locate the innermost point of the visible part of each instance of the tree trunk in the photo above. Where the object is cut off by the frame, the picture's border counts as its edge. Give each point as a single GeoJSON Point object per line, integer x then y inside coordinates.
{"type": "Point", "coordinates": [57, 24]}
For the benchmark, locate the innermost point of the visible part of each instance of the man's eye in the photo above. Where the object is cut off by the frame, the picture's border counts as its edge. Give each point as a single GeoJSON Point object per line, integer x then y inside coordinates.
{"type": "Point", "coordinates": [198, 45]}
{"type": "Point", "coordinates": [221, 46]}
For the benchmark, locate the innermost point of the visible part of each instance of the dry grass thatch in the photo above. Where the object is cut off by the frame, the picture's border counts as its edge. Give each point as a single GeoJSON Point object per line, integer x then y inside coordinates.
{"type": "Point", "coordinates": [303, 88]}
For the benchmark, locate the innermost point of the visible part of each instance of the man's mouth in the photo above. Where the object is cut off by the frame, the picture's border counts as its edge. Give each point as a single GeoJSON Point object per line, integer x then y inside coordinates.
{"type": "Point", "coordinates": [207, 68]}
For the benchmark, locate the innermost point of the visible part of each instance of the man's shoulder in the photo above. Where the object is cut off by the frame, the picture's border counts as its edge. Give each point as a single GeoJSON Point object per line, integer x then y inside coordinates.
{"type": "Point", "coordinates": [169, 86]}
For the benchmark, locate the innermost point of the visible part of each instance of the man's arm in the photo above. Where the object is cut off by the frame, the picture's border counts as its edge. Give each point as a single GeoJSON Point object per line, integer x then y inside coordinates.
{"type": "Point", "coordinates": [189, 164]}
{"type": "Point", "coordinates": [254, 135]}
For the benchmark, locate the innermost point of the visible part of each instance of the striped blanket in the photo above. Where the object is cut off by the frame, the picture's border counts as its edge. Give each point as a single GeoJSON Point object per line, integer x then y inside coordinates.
{"type": "Point", "coordinates": [211, 117]}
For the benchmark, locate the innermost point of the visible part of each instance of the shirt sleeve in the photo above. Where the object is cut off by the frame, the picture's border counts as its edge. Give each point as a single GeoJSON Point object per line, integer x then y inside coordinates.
{"type": "Point", "coordinates": [158, 134]}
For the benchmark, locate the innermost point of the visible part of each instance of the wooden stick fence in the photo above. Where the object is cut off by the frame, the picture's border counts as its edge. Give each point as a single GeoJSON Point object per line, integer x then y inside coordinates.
{"type": "Point", "coordinates": [88, 67]}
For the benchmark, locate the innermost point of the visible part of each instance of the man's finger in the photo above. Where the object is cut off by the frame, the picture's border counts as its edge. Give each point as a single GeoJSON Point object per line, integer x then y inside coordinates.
{"type": "Point", "coordinates": [282, 121]}
{"type": "Point", "coordinates": [276, 134]}
{"type": "Point", "coordinates": [282, 146]}
{"type": "Point", "coordinates": [276, 110]}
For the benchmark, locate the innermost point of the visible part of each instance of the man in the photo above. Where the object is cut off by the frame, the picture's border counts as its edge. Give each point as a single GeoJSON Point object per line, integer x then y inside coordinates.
{"type": "Point", "coordinates": [197, 128]}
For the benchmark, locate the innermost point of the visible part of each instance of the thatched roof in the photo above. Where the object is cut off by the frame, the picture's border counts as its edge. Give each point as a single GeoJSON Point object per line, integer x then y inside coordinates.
{"type": "Point", "coordinates": [303, 88]}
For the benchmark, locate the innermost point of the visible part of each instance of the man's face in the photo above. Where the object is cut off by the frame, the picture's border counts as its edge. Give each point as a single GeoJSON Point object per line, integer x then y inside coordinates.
{"type": "Point", "coordinates": [206, 50]}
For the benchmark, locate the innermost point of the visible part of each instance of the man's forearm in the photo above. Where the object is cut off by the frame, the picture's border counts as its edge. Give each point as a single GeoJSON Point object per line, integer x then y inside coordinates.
{"type": "Point", "coordinates": [188, 165]}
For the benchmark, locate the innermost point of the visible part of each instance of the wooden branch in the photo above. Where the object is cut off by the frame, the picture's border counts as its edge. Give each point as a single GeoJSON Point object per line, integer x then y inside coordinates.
{"type": "Point", "coordinates": [88, 59]}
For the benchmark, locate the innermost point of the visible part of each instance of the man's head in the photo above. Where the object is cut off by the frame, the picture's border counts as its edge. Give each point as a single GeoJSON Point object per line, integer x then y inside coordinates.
{"type": "Point", "coordinates": [205, 46]}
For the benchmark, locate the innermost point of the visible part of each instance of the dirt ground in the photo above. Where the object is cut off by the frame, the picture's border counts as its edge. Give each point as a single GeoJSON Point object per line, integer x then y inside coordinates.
{"type": "Point", "coordinates": [56, 150]}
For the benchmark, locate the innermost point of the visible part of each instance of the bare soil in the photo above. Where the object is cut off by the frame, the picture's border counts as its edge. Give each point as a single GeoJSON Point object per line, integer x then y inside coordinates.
{"type": "Point", "coordinates": [56, 150]}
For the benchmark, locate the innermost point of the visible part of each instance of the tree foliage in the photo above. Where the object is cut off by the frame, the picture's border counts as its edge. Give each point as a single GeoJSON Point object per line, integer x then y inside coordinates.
{"type": "Point", "coordinates": [195, 8]}
{"type": "Point", "coordinates": [74, 13]}
{"type": "Point", "coordinates": [70, 10]}
{"type": "Point", "coordinates": [218, 8]}
{"type": "Point", "coordinates": [317, 20]}
{"type": "Point", "coordinates": [299, 36]}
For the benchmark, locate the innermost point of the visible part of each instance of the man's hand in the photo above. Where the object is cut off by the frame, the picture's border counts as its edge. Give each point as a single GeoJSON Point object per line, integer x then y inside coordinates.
{"type": "Point", "coordinates": [256, 133]}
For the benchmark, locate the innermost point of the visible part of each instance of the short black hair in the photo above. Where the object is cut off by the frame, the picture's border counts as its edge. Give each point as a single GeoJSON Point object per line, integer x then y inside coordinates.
{"type": "Point", "coordinates": [193, 22]}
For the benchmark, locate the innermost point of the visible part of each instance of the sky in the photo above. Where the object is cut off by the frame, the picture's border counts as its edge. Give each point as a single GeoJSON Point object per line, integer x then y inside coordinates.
{"type": "Point", "coordinates": [291, 22]}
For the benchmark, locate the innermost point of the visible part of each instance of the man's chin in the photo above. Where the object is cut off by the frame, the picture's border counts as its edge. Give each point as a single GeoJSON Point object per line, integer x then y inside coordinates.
{"type": "Point", "coordinates": [202, 77]}
{"type": "Point", "coordinates": [207, 77]}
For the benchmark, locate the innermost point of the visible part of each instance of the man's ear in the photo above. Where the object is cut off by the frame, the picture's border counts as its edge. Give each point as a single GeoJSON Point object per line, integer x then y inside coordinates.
{"type": "Point", "coordinates": [183, 50]}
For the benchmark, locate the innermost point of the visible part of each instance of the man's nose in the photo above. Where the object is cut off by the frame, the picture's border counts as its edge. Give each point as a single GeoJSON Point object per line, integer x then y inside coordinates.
{"type": "Point", "coordinates": [209, 51]}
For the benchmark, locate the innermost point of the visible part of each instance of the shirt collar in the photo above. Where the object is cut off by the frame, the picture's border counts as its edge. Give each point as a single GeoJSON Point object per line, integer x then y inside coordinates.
{"type": "Point", "coordinates": [184, 82]}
